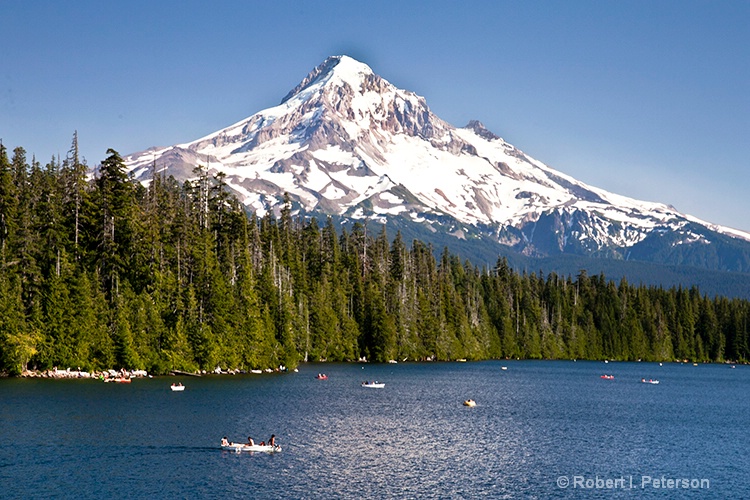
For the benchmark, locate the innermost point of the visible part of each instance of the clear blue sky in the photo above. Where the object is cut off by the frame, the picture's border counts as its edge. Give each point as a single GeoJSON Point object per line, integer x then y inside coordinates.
{"type": "Point", "coordinates": [649, 99]}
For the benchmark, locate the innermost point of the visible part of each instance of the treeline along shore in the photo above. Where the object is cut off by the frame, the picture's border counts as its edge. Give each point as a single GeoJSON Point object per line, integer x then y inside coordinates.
{"type": "Point", "coordinates": [104, 272]}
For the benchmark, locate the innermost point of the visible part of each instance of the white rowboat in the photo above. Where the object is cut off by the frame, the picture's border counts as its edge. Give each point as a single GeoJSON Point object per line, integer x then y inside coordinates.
{"type": "Point", "coordinates": [240, 447]}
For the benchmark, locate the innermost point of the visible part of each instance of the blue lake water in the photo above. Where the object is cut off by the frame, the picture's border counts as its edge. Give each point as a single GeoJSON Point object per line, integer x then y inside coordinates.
{"type": "Point", "coordinates": [541, 429]}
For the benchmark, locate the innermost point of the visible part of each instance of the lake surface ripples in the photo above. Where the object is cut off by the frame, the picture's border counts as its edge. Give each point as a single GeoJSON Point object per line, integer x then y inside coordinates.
{"type": "Point", "coordinates": [536, 425]}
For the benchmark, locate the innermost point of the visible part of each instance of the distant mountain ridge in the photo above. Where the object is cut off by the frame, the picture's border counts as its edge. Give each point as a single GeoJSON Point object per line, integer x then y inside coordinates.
{"type": "Point", "coordinates": [346, 142]}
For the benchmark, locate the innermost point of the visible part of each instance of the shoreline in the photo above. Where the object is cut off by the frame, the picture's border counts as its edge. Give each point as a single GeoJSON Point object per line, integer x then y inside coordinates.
{"type": "Point", "coordinates": [112, 375]}
{"type": "Point", "coordinates": [69, 373]}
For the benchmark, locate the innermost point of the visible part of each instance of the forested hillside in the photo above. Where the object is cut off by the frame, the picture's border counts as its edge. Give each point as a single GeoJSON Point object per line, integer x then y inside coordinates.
{"type": "Point", "coordinates": [107, 273]}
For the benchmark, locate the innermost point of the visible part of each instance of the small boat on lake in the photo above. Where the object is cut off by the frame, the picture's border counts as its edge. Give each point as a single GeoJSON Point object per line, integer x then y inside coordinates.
{"type": "Point", "coordinates": [649, 381]}
{"type": "Point", "coordinates": [321, 376]}
{"type": "Point", "coordinates": [177, 387]}
{"type": "Point", "coordinates": [119, 380]}
{"type": "Point", "coordinates": [240, 447]}
{"type": "Point", "coordinates": [608, 377]}
{"type": "Point", "coordinates": [374, 385]}
{"type": "Point", "coordinates": [470, 402]}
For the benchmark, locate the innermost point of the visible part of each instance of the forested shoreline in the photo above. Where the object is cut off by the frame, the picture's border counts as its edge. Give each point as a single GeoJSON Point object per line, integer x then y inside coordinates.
{"type": "Point", "coordinates": [107, 273]}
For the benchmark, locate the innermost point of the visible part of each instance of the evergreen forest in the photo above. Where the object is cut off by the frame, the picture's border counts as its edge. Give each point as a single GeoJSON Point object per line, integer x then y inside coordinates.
{"type": "Point", "coordinates": [98, 271]}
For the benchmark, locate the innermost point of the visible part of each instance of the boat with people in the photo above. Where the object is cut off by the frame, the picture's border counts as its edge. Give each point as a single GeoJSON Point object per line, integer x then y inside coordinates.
{"type": "Point", "coordinates": [470, 402]}
{"type": "Point", "coordinates": [259, 448]}
{"type": "Point", "coordinates": [321, 376]}
{"type": "Point", "coordinates": [649, 381]}
{"type": "Point", "coordinates": [177, 387]}
{"type": "Point", "coordinates": [119, 380]}
{"type": "Point", "coordinates": [374, 385]}
{"type": "Point", "coordinates": [608, 377]}
{"type": "Point", "coordinates": [263, 447]}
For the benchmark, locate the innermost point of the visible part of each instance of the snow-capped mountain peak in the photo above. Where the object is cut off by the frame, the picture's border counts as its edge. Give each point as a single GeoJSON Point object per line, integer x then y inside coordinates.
{"type": "Point", "coordinates": [337, 71]}
{"type": "Point", "coordinates": [347, 142]}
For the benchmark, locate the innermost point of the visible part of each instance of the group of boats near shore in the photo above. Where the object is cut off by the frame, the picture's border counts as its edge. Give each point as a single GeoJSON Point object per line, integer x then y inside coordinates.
{"type": "Point", "coordinates": [121, 376]}
{"type": "Point", "coordinates": [125, 376]}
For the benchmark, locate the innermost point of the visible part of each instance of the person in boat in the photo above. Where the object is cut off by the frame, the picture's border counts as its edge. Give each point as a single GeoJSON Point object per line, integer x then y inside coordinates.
{"type": "Point", "coordinates": [262, 443]}
{"type": "Point", "coordinates": [272, 440]}
{"type": "Point", "coordinates": [250, 441]}
{"type": "Point", "coordinates": [224, 441]}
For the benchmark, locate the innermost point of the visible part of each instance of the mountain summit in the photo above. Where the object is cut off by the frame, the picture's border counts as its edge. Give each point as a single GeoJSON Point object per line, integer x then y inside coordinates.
{"type": "Point", "coordinates": [346, 142]}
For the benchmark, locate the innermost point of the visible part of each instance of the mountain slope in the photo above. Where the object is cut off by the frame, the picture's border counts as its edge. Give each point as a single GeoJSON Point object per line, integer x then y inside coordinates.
{"type": "Point", "coordinates": [346, 142]}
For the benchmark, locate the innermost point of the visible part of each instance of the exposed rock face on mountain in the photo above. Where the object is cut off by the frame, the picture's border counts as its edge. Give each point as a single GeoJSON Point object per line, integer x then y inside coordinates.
{"type": "Point", "coordinates": [346, 142]}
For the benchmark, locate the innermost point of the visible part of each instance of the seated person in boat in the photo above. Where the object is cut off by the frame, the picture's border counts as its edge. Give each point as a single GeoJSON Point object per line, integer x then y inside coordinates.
{"type": "Point", "coordinates": [250, 441]}
{"type": "Point", "coordinates": [272, 441]}
{"type": "Point", "coordinates": [262, 443]}
{"type": "Point", "coordinates": [224, 441]}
